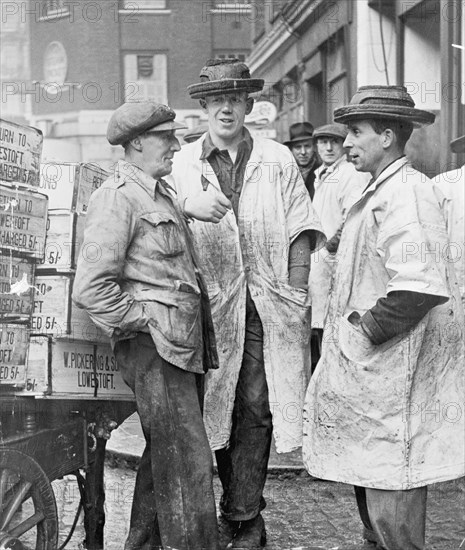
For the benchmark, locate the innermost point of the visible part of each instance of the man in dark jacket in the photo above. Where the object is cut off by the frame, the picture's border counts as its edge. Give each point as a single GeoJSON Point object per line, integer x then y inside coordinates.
{"type": "Point", "coordinates": [143, 288]}
{"type": "Point", "coordinates": [302, 146]}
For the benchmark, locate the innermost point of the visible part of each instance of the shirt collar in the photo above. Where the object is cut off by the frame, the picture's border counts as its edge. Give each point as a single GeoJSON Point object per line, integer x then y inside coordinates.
{"type": "Point", "coordinates": [209, 148]}
{"type": "Point", "coordinates": [128, 170]}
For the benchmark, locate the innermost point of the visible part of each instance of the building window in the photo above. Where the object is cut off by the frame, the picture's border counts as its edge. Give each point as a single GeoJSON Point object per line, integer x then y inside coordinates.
{"type": "Point", "coordinates": [144, 4]}
{"type": "Point", "coordinates": [54, 8]}
{"type": "Point", "coordinates": [146, 77]}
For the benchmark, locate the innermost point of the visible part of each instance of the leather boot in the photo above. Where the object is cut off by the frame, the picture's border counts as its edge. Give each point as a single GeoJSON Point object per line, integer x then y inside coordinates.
{"type": "Point", "coordinates": [227, 530]}
{"type": "Point", "coordinates": [251, 534]}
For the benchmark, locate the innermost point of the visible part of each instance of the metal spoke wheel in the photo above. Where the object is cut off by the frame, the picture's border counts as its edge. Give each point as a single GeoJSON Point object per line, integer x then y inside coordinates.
{"type": "Point", "coordinates": [28, 512]}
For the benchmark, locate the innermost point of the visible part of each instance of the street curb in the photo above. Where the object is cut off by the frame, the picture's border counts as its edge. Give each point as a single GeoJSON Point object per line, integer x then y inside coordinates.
{"type": "Point", "coordinates": [118, 459]}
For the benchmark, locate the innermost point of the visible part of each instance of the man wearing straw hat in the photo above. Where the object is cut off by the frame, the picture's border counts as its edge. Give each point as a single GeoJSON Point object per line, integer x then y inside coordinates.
{"type": "Point", "coordinates": [256, 263]}
{"type": "Point", "coordinates": [383, 410]}
{"type": "Point", "coordinates": [145, 291]}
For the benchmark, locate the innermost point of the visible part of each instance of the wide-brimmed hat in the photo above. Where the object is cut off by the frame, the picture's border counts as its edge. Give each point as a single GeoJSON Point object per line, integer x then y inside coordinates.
{"type": "Point", "coordinates": [194, 133]}
{"type": "Point", "coordinates": [133, 119]}
{"type": "Point", "coordinates": [300, 131]}
{"type": "Point", "coordinates": [383, 102]}
{"type": "Point", "coordinates": [331, 130]}
{"type": "Point", "coordinates": [223, 76]}
{"type": "Point", "coordinates": [458, 145]}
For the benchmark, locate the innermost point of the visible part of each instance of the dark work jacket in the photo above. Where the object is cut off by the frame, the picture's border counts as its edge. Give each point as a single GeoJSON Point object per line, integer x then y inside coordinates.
{"type": "Point", "coordinates": [138, 271]}
{"type": "Point", "coordinates": [310, 179]}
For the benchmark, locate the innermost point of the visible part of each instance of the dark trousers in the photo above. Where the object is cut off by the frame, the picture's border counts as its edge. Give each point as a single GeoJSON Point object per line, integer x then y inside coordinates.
{"type": "Point", "coordinates": [242, 466]}
{"type": "Point", "coordinates": [316, 342]}
{"type": "Point", "coordinates": [173, 505]}
{"type": "Point", "coordinates": [395, 520]}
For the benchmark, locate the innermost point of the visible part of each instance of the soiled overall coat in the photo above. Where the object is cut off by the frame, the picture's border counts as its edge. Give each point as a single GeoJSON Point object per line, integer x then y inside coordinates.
{"type": "Point", "coordinates": [390, 416]}
{"type": "Point", "coordinates": [274, 208]}
{"type": "Point", "coordinates": [340, 187]}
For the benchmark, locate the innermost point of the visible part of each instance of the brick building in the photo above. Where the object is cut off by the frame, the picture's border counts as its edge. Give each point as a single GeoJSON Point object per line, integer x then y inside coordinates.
{"type": "Point", "coordinates": [88, 57]}
{"type": "Point", "coordinates": [313, 54]}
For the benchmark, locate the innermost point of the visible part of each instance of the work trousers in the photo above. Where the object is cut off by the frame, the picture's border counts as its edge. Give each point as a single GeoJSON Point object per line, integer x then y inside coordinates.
{"type": "Point", "coordinates": [242, 466]}
{"type": "Point", "coordinates": [173, 505]}
{"type": "Point", "coordinates": [395, 520]}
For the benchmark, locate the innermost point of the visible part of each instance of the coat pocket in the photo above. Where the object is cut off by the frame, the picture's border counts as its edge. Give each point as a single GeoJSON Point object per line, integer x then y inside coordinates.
{"type": "Point", "coordinates": [162, 235]}
{"type": "Point", "coordinates": [358, 348]}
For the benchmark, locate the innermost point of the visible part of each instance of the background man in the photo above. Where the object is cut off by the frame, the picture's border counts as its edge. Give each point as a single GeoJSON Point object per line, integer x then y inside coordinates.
{"type": "Point", "coordinates": [146, 293]}
{"type": "Point", "coordinates": [257, 290]}
{"type": "Point", "coordinates": [337, 186]}
{"type": "Point", "coordinates": [452, 184]}
{"type": "Point", "coordinates": [392, 358]}
{"type": "Point", "coordinates": [303, 148]}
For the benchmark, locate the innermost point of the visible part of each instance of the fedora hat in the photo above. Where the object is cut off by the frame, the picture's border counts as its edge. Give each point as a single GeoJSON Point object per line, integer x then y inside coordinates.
{"type": "Point", "coordinates": [223, 76]}
{"type": "Point", "coordinates": [331, 130]}
{"type": "Point", "coordinates": [133, 119]}
{"type": "Point", "coordinates": [383, 102]}
{"type": "Point", "coordinates": [300, 131]}
{"type": "Point", "coordinates": [458, 145]}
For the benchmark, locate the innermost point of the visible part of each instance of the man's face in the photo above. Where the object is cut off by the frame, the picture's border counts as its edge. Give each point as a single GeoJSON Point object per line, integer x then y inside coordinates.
{"type": "Point", "coordinates": [226, 114]}
{"type": "Point", "coordinates": [365, 147]}
{"type": "Point", "coordinates": [158, 149]}
{"type": "Point", "coordinates": [303, 152]}
{"type": "Point", "coordinates": [330, 149]}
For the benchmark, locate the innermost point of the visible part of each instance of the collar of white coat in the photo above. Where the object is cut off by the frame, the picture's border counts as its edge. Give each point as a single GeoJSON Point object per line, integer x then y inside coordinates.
{"type": "Point", "coordinates": [328, 170]}
{"type": "Point", "coordinates": [386, 174]}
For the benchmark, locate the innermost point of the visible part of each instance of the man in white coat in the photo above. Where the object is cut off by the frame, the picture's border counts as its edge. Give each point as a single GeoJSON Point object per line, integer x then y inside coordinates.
{"type": "Point", "coordinates": [384, 408]}
{"type": "Point", "coordinates": [338, 186]}
{"type": "Point", "coordinates": [452, 185]}
{"type": "Point", "coordinates": [256, 263]}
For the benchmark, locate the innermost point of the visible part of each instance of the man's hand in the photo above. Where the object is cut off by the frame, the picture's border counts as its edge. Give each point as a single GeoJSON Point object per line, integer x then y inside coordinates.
{"type": "Point", "coordinates": [333, 243]}
{"type": "Point", "coordinates": [207, 206]}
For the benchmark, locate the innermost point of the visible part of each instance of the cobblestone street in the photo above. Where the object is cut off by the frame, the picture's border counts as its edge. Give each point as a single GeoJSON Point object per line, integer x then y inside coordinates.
{"type": "Point", "coordinates": [302, 513]}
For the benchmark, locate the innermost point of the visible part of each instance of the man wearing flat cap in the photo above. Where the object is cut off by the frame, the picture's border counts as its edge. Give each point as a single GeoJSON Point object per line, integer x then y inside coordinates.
{"type": "Point", "coordinates": [144, 290]}
{"type": "Point", "coordinates": [302, 146]}
{"type": "Point", "coordinates": [452, 185]}
{"type": "Point", "coordinates": [256, 263]}
{"type": "Point", "coordinates": [337, 187]}
{"type": "Point", "coordinates": [375, 407]}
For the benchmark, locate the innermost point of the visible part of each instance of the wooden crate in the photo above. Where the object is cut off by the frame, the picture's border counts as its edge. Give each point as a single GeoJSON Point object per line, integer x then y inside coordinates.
{"type": "Point", "coordinates": [14, 307]}
{"type": "Point", "coordinates": [55, 314]}
{"type": "Point", "coordinates": [20, 151]}
{"type": "Point", "coordinates": [14, 341]}
{"type": "Point", "coordinates": [65, 234]}
{"type": "Point", "coordinates": [23, 222]}
{"type": "Point", "coordinates": [70, 185]}
{"type": "Point", "coordinates": [59, 367]}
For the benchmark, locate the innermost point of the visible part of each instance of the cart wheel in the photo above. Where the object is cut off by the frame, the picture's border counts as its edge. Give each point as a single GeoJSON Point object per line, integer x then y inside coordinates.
{"type": "Point", "coordinates": [28, 512]}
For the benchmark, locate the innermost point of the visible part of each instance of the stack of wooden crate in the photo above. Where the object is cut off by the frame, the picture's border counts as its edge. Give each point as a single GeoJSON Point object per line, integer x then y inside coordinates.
{"type": "Point", "coordinates": [67, 355]}
{"type": "Point", "coordinates": [23, 219]}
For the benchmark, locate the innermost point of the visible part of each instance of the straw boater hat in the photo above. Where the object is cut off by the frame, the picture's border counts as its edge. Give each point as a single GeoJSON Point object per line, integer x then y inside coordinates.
{"type": "Point", "coordinates": [133, 119]}
{"type": "Point", "coordinates": [331, 130]}
{"type": "Point", "coordinates": [458, 145]}
{"type": "Point", "coordinates": [383, 102]}
{"type": "Point", "coordinates": [220, 76]}
{"type": "Point", "coordinates": [300, 131]}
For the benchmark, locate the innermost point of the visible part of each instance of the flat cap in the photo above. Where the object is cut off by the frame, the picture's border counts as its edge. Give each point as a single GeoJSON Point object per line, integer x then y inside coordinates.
{"type": "Point", "coordinates": [194, 133]}
{"type": "Point", "coordinates": [132, 119]}
{"type": "Point", "coordinates": [223, 76]}
{"type": "Point", "coordinates": [331, 130]}
{"type": "Point", "coordinates": [458, 145]}
{"type": "Point", "coordinates": [383, 102]}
